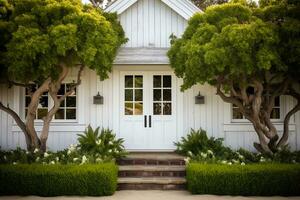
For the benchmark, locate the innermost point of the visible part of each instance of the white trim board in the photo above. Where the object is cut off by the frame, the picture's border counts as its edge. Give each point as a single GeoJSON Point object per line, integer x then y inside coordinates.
{"type": "Point", "coordinates": [184, 8]}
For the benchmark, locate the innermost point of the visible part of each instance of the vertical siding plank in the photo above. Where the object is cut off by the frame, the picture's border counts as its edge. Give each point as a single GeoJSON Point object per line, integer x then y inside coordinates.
{"type": "Point", "coordinates": [157, 26]}
{"type": "Point", "coordinates": [146, 22]}
{"type": "Point", "coordinates": [134, 25]}
{"type": "Point", "coordinates": [151, 23]}
{"type": "Point", "coordinates": [140, 24]}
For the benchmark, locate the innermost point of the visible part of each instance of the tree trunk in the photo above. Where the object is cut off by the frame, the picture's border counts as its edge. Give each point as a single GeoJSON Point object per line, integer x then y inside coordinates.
{"type": "Point", "coordinates": [31, 114]}
{"type": "Point", "coordinates": [19, 122]}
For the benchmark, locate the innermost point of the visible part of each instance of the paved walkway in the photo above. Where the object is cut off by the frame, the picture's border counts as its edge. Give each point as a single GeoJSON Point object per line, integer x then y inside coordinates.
{"type": "Point", "coordinates": [152, 195]}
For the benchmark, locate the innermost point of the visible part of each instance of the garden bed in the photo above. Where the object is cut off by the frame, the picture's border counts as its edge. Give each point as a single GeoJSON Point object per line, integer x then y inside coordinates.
{"type": "Point", "coordinates": [253, 179]}
{"type": "Point", "coordinates": [55, 180]}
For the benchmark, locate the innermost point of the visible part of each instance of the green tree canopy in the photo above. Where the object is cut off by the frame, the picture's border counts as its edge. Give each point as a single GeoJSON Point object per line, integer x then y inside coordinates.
{"type": "Point", "coordinates": [251, 55]}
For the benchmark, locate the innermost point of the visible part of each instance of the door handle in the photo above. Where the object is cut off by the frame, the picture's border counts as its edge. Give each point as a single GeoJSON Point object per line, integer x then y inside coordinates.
{"type": "Point", "coordinates": [150, 122]}
{"type": "Point", "coordinates": [145, 121]}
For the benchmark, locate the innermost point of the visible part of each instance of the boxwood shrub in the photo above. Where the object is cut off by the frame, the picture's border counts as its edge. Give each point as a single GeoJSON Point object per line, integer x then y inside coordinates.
{"type": "Point", "coordinates": [55, 180]}
{"type": "Point", "coordinates": [249, 180]}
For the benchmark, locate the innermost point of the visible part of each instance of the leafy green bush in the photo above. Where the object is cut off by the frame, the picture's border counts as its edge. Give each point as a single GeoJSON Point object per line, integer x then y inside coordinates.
{"type": "Point", "coordinates": [104, 144]}
{"type": "Point", "coordinates": [198, 141]}
{"type": "Point", "coordinates": [54, 180]}
{"type": "Point", "coordinates": [254, 179]}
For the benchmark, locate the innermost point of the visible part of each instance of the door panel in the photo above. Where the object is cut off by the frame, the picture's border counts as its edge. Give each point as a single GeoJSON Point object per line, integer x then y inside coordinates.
{"type": "Point", "coordinates": [148, 112]}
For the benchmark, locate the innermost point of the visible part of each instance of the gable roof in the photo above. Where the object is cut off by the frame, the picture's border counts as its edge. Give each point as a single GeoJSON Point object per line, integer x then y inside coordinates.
{"type": "Point", "coordinates": [184, 8]}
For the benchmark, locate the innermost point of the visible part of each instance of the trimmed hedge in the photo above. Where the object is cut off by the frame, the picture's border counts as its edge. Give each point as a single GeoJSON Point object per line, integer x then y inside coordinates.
{"type": "Point", "coordinates": [249, 180]}
{"type": "Point", "coordinates": [56, 180]}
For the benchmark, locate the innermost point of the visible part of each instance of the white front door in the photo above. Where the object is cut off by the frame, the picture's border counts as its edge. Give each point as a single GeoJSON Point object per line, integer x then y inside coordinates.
{"type": "Point", "coordinates": [148, 110]}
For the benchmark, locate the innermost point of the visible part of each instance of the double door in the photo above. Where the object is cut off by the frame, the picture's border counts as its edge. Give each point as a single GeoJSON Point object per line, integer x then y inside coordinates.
{"type": "Point", "coordinates": [148, 110]}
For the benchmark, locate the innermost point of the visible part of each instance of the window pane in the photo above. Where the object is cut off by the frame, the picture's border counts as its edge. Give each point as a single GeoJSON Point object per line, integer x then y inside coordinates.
{"type": "Point", "coordinates": [68, 88]}
{"type": "Point", "coordinates": [167, 109]}
{"type": "Point", "coordinates": [43, 102]}
{"type": "Point", "coordinates": [71, 114]}
{"type": "Point", "coordinates": [138, 82]}
{"type": "Point", "coordinates": [138, 108]}
{"type": "Point", "coordinates": [167, 95]}
{"type": "Point", "coordinates": [275, 114]}
{"type": "Point", "coordinates": [138, 95]}
{"type": "Point", "coordinates": [128, 81]}
{"type": "Point", "coordinates": [71, 102]}
{"type": "Point", "coordinates": [62, 104]}
{"type": "Point", "coordinates": [61, 90]}
{"type": "Point", "coordinates": [277, 102]}
{"type": "Point", "coordinates": [157, 81]}
{"type": "Point", "coordinates": [128, 108]}
{"type": "Point", "coordinates": [236, 114]}
{"type": "Point", "coordinates": [128, 95]}
{"type": "Point", "coordinates": [156, 95]}
{"type": "Point", "coordinates": [41, 113]}
{"type": "Point", "coordinates": [60, 114]}
{"type": "Point", "coordinates": [27, 101]}
{"type": "Point", "coordinates": [167, 81]}
{"type": "Point", "coordinates": [157, 108]}
{"type": "Point", "coordinates": [30, 89]}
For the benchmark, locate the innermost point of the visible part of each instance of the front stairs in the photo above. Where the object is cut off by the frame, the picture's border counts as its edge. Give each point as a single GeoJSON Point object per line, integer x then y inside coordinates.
{"type": "Point", "coordinates": [151, 171]}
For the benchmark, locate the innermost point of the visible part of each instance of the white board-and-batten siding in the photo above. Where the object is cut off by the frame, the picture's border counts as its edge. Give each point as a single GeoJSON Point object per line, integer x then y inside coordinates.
{"type": "Point", "coordinates": [214, 116]}
{"type": "Point", "coordinates": [149, 23]}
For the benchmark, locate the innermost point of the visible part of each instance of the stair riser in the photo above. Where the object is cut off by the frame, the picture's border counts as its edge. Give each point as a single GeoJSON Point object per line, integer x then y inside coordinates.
{"type": "Point", "coordinates": [151, 173]}
{"type": "Point", "coordinates": [150, 162]}
{"type": "Point", "coordinates": [150, 186]}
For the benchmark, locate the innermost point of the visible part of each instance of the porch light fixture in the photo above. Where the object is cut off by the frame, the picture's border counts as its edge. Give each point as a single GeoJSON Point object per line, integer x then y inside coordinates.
{"type": "Point", "coordinates": [98, 99]}
{"type": "Point", "coordinates": [199, 99]}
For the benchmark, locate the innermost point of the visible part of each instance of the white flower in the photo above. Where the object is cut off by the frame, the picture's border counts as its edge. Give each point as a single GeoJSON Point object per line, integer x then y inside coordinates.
{"type": "Point", "coordinates": [44, 163]}
{"type": "Point", "coordinates": [235, 161]}
{"type": "Point", "coordinates": [98, 142]}
{"type": "Point", "coordinates": [4, 157]}
{"type": "Point", "coordinates": [294, 161]}
{"type": "Point", "coordinates": [37, 159]}
{"type": "Point", "coordinates": [75, 159]}
{"type": "Point", "coordinates": [52, 162]}
{"type": "Point", "coordinates": [190, 153]}
{"type": "Point", "coordinates": [224, 162]}
{"type": "Point", "coordinates": [110, 143]}
{"type": "Point", "coordinates": [187, 160]}
{"type": "Point", "coordinates": [69, 152]}
{"type": "Point", "coordinates": [72, 148]}
{"type": "Point", "coordinates": [36, 150]}
{"type": "Point", "coordinates": [27, 152]}
{"type": "Point", "coordinates": [98, 160]}
{"type": "Point", "coordinates": [241, 157]}
{"type": "Point", "coordinates": [210, 152]}
{"type": "Point", "coordinates": [243, 163]}
{"type": "Point", "coordinates": [84, 159]}
{"type": "Point", "coordinates": [230, 163]}
{"type": "Point", "coordinates": [14, 163]}
{"type": "Point", "coordinates": [46, 155]}
{"type": "Point", "coordinates": [203, 155]}
{"type": "Point", "coordinates": [57, 159]}
{"type": "Point", "coordinates": [109, 151]}
{"type": "Point", "coordinates": [262, 159]}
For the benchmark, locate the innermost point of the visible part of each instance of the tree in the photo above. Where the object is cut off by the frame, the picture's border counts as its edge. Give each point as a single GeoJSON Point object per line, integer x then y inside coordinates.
{"type": "Point", "coordinates": [48, 39]}
{"type": "Point", "coordinates": [236, 49]}
{"type": "Point", "coordinates": [203, 4]}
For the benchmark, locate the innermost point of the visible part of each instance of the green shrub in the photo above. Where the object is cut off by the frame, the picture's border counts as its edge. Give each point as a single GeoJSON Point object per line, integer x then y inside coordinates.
{"type": "Point", "coordinates": [198, 141]}
{"type": "Point", "coordinates": [254, 179]}
{"type": "Point", "coordinates": [104, 144]}
{"type": "Point", "coordinates": [54, 180]}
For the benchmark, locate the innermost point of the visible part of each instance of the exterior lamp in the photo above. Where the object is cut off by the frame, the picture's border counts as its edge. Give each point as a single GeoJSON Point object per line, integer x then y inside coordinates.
{"type": "Point", "coordinates": [98, 99]}
{"type": "Point", "coordinates": [199, 99]}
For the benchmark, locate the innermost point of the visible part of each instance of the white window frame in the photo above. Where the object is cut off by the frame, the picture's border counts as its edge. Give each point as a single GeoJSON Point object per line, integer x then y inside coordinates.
{"type": "Point", "coordinates": [244, 120]}
{"type": "Point", "coordinates": [50, 105]}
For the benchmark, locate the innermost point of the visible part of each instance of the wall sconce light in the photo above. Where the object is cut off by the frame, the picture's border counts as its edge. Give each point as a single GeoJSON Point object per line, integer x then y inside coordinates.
{"type": "Point", "coordinates": [98, 99]}
{"type": "Point", "coordinates": [199, 99]}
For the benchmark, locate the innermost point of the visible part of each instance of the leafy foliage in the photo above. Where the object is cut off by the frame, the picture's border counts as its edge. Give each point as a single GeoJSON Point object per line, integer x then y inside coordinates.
{"type": "Point", "coordinates": [255, 179]}
{"type": "Point", "coordinates": [105, 144]}
{"type": "Point", "coordinates": [203, 4]}
{"type": "Point", "coordinates": [198, 141]}
{"type": "Point", "coordinates": [56, 180]}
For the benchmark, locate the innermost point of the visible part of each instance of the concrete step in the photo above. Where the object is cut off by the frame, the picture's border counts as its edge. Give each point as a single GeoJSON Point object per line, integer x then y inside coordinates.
{"type": "Point", "coordinates": [152, 159]}
{"type": "Point", "coordinates": [152, 170]}
{"type": "Point", "coordinates": [151, 183]}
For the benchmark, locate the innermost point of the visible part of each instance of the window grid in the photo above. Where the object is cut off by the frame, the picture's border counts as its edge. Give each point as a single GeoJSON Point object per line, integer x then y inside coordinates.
{"type": "Point", "coordinates": [67, 109]}
{"type": "Point", "coordinates": [275, 114]}
{"type": "Point", "coordinates": [133, 98]}
{"type": "Point", "coordinates": [43, 102]}
{"type": "Point", "coordinates": [162, 95]}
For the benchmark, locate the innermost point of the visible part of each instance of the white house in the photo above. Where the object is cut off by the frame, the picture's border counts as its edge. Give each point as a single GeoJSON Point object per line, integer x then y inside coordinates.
{"type": "Point", "coordinates": [142, 101]}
